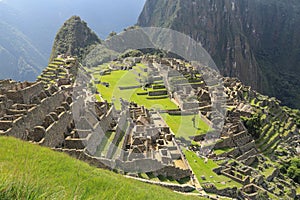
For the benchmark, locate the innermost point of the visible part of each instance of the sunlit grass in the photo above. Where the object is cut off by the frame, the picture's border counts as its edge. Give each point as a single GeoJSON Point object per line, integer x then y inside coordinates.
{"type": "Point", "coordinates": [183, 126]}
{"type": "Point", "coordinates": [125, 78]}
{"type": "Point", "coordinates": [29, 171]}
{"type": "Point", "coordinates": [200, 168]}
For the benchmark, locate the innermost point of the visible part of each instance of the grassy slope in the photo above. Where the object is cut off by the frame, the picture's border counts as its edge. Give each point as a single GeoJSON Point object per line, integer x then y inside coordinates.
{"type": "Point", "coordinates": [28, 171]}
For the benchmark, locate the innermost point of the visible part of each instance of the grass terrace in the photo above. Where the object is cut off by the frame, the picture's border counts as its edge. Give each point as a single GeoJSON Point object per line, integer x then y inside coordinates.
{"type": "Point", "coordinates": [182, 126]}
{"type": "Point", "coordinates": [223, 150]}
{"type": "Point", "coordinates": [125, 78]}
{"type": "Point", "coordinates": [200, 168]}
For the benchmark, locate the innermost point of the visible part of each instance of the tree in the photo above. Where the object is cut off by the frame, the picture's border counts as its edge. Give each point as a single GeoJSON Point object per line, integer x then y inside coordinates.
{"type": "Point", "coordinates": [253, 125]}
{"type": "Point", "coordinates": [113, 33]}
{"type": "Point", "coordinates": [294, 170]}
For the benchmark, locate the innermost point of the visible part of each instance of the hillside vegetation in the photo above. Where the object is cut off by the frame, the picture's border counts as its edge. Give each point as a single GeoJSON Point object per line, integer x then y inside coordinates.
{"type": "Point", "coordinates": [28, 171]}
{"type": "Point", "coordinates": [74, 38]}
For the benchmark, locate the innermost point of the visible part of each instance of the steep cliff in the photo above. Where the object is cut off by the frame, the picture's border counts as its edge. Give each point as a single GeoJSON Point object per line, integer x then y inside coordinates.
{"type": "Point", "coordinates": [74, 38]}
{"type": "Point", "coordinates": [255, 40]}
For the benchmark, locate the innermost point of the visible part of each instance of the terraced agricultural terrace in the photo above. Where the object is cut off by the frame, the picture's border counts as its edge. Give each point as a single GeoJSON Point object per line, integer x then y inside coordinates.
{"type": "Point", "coordinates": [159, 121]}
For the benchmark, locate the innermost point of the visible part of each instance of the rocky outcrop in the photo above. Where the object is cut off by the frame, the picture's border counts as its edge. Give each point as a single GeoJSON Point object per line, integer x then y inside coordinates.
{"type": "Point", "coordinates": [74, 38]}
{"type": "Point", "coordinates": [254, 40]}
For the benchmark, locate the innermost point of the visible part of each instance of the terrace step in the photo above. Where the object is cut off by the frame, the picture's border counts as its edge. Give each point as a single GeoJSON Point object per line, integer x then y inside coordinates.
{"type": "Point", "coordinates": [265, 129]}
{"type": "Point", "coordinates": [273, 140]}
{"type": "Point", "coordinates": [266, 137]}
{"type": "Point", "coordinates": [247, 154]}
{"type": "Point", "coordinates": [273, 147]}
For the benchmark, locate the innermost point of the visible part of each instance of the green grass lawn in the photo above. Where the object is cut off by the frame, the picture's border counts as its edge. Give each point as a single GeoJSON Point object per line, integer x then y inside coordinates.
{"type": "Point", "coordinates": [29, 171]}
{"type": "Point", "coordinates": [201, 168]}
{"type": "Point", "coordinates": [183, 126]}
{"type": "Point", "coordinates": [128, 78]}
{"type": "Point", "coordinates": [223, 150]}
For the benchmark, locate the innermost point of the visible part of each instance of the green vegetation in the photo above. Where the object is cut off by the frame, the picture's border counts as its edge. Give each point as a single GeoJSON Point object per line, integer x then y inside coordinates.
{"type": "Point", "coordinates": [32, 172]}
{"type": "Point", "coordinates": [120, 78]}
{"type": "Point", "coordinates": [223, 150]}
{"type": "Point", "coordinates": [74, 38]}
{"type": "Point", "coordinates": [202, 168]}
{"type": "Point", "coordinates": [292, 169]}
{"type": "Point", "coordinates": [268, 172]}
{"type": "Point", "coordinates": [182, 126]}
{"type": "Point", "coordinates": [253, 125]}
{"type": "Point", "coordinates": [131, 53]}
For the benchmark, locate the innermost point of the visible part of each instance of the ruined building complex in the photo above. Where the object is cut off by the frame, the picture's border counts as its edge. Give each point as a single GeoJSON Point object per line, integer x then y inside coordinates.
{"type": "Point", "coordinates": [66, 117]}
{"type": "Point", "coordinates": [59, 111]}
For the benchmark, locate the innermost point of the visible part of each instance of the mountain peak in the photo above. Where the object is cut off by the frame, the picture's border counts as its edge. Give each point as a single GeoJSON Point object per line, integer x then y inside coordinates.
{"type": "Point", "coordinates": [74, 38]}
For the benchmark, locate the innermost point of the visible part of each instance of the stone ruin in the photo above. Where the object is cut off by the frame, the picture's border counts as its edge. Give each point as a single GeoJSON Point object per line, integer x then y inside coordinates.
{"type": "Point", "coordinates": [66, 117]}
{"type": "Point", "coordinates": [32, 112]}
{"type": "Point", "coordinates": [148, 139]}
{"type": "Point", "coordinates": [241, 102]}
{"type": "Point", "coordinates": [58, 112]}
{"type": "Point", "coordinates": [132, 140]}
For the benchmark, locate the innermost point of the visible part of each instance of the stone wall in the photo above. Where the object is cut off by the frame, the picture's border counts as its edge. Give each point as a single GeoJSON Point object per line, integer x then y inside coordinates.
{"type": "Point", "coordinates": [99, 131]}
{"type": "Point", "coordinates": [250, 160]}
{"type": "Point", "coordinates": [130, 87]}
{"type": "Point", "coordinates": [81, 155]}
{"type": "Point", "coordinates": [25, 95]}
{"type": "Point", "coordinates": [141, 165]}
{"type": "Point", "coordinates": [244, 181]}
{"type": "Point", "coordinates": [55, 132]}
{"type": "Point", "coordinates": [174, 172]}
{"type": "Point", "coordinates": [227, 192]}
{"type": "Point", "coordinates": [175, 187]}
{"type": "Point", "coordinates": [34, 116]}
{"type": "Point", "coordinates": [120, 130]}
{"type": "Point", "coordinates": [107, 119]}
{"type": "Point", "coordinates": [226, 142]}
{"type": "Point", "coordinates": [95, 139]}
{"type": "Point", "coordinates": [158, 93]}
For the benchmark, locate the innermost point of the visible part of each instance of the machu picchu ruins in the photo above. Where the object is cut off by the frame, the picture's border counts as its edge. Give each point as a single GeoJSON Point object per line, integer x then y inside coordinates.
{"type": "Point", "coordinates": [150, 99]}
{"type": "Point", "coordinates": [247, 134]}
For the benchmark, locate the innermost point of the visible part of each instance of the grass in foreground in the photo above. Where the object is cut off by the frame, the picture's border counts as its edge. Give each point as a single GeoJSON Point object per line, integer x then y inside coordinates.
{"type": "Point", "coordinates": [28, 171]}
{"type": "Point", "coordinates": [201, 168]}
